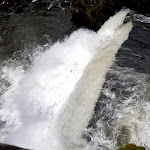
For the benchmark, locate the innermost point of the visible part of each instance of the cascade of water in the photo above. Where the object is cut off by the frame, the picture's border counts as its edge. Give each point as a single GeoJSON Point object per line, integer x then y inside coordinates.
{"type": "Point", "coordinates": [77, 111]}
{"type": "Point", "coordinates": [38, 102]}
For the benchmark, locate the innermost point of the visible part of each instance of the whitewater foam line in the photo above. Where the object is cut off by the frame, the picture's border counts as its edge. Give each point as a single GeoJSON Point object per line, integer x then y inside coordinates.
{"type": "Point", "coordinates": [78, 109]}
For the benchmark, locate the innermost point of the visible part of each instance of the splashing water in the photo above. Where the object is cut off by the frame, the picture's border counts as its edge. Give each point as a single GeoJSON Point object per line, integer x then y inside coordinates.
{"type": "Point", "coordinates": [32, 103]}
{"type": "Point", "coordinates": [123, 115]}
{"type": "Point", "coordinates": [81, 102]}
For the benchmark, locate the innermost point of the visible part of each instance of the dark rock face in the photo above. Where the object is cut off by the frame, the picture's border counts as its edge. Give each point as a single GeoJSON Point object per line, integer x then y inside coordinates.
{"type": "Point", "coordinates": [93, 13]}
{"type": "Point", "coordinates": [8, 7]}
{"type": "Point", "coordinates": [10, 147]}
{"type": "Point", "coordinates": [35, 26]}
{"type": "Point", "coordinates": [12, 7]}
{"type": "Point", "coordinates": [135, 52]}
{"type": "Point", "coordinates": [89, 13]}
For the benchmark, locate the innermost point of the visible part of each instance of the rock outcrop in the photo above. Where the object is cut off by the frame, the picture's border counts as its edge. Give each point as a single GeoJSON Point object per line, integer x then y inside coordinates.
{"type": "Point", "coordinates": [10, 147]}
{"type": "Point", "coordinates": [8, 7]}
{"type": "Point", "coordinates": [132, 147]}
{"type": "Point", "coordinates": [88, 13]}
{"type": "Point", "coordinates": [93, 13]}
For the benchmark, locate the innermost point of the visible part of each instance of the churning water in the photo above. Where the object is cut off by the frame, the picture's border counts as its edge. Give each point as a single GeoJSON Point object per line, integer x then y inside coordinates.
{"type": "Point", "coordinates": [48, 101]}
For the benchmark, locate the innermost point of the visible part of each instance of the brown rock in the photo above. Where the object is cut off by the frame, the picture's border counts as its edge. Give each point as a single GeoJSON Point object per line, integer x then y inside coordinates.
{"type": "Point", "coordinates": [132, 147]}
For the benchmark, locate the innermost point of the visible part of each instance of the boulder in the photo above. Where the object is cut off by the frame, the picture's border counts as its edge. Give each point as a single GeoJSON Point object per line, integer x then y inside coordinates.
{"type": "Point", "coordinates": [8, 7]}
{"type": "Point", "coordinates": [10, 147]}
{"type": "Point", "coordinates": [132, 147]}
{"type": "Point", "coordinates": [93, 13]}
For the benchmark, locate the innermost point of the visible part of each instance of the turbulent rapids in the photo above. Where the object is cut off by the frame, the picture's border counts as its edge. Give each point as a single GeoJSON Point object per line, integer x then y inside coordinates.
{"type": "Point", "coordinates": [80, 104]}
{"type": "Point", "coordinates": [49, 104]}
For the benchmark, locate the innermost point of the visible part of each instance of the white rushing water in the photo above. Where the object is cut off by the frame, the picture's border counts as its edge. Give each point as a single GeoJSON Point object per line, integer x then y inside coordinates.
{"type": "Point", "coordinates": [81, 103]}
{"type": "Point", "coordinates": [49, 106]}
{"type": "Point", "coordinates": [124, 115]}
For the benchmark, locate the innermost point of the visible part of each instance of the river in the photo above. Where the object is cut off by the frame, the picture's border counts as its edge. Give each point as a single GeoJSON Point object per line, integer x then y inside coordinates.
{"type": "Point", "coordinates": [74, 90]}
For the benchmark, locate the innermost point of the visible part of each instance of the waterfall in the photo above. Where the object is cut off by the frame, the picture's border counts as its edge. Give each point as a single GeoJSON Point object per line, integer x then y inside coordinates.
{"type": "Point", "coordinates": [77, 111]}
{"type": "Point", "coordinates": [49, 105]}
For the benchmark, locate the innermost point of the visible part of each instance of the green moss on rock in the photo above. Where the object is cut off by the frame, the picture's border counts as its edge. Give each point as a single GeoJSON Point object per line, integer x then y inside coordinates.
{"type": "Point", "coordinates": [132, 147]}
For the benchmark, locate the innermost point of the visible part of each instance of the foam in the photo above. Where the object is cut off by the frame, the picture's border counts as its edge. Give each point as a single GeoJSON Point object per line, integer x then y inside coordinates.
{"type": "Point", "coordinates": [39, 94]}
{"type": "Point", "coordinates": [78, 110]}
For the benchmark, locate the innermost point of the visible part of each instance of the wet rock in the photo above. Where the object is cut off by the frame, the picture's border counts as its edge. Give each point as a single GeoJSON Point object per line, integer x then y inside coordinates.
{"type": "Point", "coordinates": [1, 41]}
{"type": "Point", "coordinates": [10, 147]}
{"type": "Point", "coordinates": [14, 7]}
{"type": "Point", "coordinates": [65, 4]}
{"type": "Point", "coordinates": [135, 52]}
{"type": "Point", "coordinates": [93, 13]}
{"type": "Point", "coordinates": [32, 25]}
{"type": "Point", "coordinates": [54, 4]}
{"type": "Point", "coordinates": [19, 10]}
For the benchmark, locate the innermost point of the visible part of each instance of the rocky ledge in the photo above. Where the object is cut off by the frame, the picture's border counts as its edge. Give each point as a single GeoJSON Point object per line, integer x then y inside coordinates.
{"type": "Point", "coordinates": [93, 13]}
{"type": "Point", "coordinates": [127, 147]}
{"type": "Point", "coordinates": [88, 13]}
{"type": "Point", "coordinates": [8, 7]}
{"type": "Point", "coordinates": [10, 147]}
{"type": "Point", "coordinates": [14, 7]}
{"type": "Point", "coordinates": [132, 147]}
